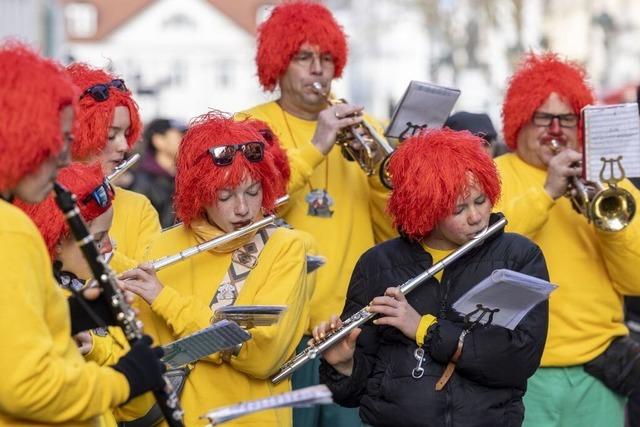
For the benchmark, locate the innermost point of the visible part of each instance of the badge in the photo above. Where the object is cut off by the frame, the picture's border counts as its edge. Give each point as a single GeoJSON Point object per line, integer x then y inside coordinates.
{"type": "Point", "coordinates": [319, 203]}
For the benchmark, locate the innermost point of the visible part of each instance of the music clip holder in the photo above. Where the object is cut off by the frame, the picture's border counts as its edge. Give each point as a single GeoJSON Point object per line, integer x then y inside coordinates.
{"type": "Point", "coordinates": [250, 316]}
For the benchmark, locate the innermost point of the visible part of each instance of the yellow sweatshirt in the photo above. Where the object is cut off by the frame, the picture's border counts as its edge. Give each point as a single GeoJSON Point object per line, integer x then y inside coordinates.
{"type": "Point", "coordinates": [135, 225]}
{"type": "Point", "coordinates": [107, 350]}
{"type": "Point", "coordinates": [183, 307]}
{"type": "Point", "coordinates": [359, 219]}
{"type": "Point", "coordinates": [44, 379]}
{"type": "Point", "coordinates": [592, 268]}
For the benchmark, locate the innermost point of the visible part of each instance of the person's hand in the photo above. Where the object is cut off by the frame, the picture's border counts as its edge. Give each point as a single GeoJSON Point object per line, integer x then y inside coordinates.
{"type": "Point", "coordinates": [330, 121]}
{"type": "Point", "coordinates": [142, 281]}
{"type": "Point", "coordinates": [142, 367]}
{"type": "Point", "coordinates": [395, 310]}
{"type": "Point", "coordinates": [84, 341]}
{"type": "Point", "coordinates": [561, 168]}
{"type": "Point", "coordinates": [340, 355]}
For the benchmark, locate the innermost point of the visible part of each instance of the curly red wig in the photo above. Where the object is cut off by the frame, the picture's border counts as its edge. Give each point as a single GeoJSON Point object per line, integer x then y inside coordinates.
{"type": "Point", "coordinates": [429, 174]}
{"type": "Point", "coordinates": [532, 83]}
{"type": "Point", "coordinates": [94, 118]}
{"type": "Point", "coordinates": [81, 180]}
{"type": "Point", "coordinates": [198, 179]}
{"type": "Point", "coordinates": [290, 25]}
{"type": "Point", "coordinates": [280, 158]}
{"type": "Point", "coordinates": [33, 91]}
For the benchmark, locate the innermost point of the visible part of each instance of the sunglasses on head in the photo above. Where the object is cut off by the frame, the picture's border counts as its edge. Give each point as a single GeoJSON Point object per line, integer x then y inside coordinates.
{"type": "Point", "coordinates": [223, 155]}
{"type": "Point", "coordinates": [101, 195]}
{"type": "Point", "coordinates": [100, 91]}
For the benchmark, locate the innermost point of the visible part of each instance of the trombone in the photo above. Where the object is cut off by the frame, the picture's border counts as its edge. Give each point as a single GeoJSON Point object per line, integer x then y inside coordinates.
{"type": "Point", "coordinates": [371, 142]}
{"type": "Point", "coordinates": [611, 208]}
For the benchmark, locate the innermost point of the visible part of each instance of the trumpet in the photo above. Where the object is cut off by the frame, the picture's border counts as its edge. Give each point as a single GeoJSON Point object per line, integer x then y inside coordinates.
{"type": "Point", "coordinates": [363, 315]}
{"type": "Point", "coordinates": [166, 261]}
{"type": "Point", "coordinates": [611, 208]}
{"type": "Point", "coordinates": [371, 143]}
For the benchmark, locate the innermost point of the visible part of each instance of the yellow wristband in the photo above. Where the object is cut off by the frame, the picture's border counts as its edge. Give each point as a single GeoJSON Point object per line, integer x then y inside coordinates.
{"type": "Point", "coordinates": [425, 323]}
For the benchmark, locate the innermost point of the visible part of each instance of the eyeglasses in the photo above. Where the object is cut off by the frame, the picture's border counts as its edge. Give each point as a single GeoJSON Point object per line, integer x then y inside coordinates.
{"type": "Point", "coordinates": [100, 91]}
{"type": "Point", "coordinates": [101, 195]}
{"type": "Point", "coordinates": [223, 155]}
{"type": "Point", "coordinates": [545, 120]}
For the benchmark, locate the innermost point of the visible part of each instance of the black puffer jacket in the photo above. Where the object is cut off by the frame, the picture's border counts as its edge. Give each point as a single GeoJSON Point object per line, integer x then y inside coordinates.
{"type": "Point", "coordinates": [490, 379]}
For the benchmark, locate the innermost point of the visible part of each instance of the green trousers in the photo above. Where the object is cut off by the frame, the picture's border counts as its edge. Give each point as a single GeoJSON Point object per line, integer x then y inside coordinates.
{"type": "Point", "coordinates": [568, 397]}
{"type": "Point", "coordinates": [321, 415]}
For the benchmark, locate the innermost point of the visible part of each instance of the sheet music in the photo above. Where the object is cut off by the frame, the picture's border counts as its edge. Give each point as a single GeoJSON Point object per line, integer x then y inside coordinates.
{"type": "Point", "coordinates": [304, 397]}
{"type": "Point", "coordinates": [220, 336]}
{"type": "Point", "coordinates": [423, 105]}
{"type": "Point", "coordinates": [611, 131]}
{"type": "Point", "coordinates": [513, 293]}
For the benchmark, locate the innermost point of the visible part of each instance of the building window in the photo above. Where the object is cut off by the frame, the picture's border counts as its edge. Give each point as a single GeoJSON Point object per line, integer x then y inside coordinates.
{"type": "Point", "coordinates": [81, 20]}
{"type": "Point", "coordinates": [224, 73]}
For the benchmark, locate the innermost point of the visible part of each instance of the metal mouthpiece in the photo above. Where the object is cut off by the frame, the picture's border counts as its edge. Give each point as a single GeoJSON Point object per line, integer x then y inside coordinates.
{"type": "Point", "coordinates": [122, 167]}
{"type": "Point", "coordinates": [317, 86]}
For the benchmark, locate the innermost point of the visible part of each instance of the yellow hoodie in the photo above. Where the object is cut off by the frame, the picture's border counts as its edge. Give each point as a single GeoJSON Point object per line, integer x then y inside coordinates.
{"type": "Point", "coordinates": [183, 307]}
{"type": "Point", "coordinates": [44, 378]}
{"type": "Point", "coordinates": [359, 219]}
{"type": "Point", "coordinates": [135, 225]}
{"type": "Point", "coordinates": [593, 268]}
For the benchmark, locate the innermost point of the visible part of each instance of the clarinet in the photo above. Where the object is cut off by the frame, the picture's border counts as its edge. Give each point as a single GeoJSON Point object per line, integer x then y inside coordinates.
{"type": "Point", "coordinates": [363, 315]}
{"type": "Point", "coordinates": [112, 295]}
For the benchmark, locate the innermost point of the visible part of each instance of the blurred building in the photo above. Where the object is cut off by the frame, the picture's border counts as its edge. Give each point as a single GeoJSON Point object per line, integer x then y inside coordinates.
{"type": "Point", "coordinates": [37, 22]}
{"type": "Point", "coordinates": [180, 57]}
{"type": "Point", "coordinates": [183, 57]}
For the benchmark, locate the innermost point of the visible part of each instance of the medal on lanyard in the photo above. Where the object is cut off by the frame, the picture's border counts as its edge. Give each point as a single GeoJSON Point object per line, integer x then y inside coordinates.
{"type": "Point", "coordinates": [319, 203]}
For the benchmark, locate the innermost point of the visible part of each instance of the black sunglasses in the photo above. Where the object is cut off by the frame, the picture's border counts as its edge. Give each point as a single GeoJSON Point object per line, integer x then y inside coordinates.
{"type": "Point", "coordinates": [101, 195]}
{"type": "Point", "coordinates": [100, 91]}
{"type": "Point", "coordinates": [223, 155]}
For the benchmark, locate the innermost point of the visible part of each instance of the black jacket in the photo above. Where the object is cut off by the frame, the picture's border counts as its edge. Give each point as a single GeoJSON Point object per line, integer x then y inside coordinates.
{"type": "Point", "coordinates": [490, 379]}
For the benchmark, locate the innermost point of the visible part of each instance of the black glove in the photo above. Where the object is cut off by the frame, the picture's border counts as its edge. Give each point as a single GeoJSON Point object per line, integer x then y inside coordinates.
{"type": "Point", "coordinates": [80, 318]}
{"type": "Point", "coordinates": [142, 367]}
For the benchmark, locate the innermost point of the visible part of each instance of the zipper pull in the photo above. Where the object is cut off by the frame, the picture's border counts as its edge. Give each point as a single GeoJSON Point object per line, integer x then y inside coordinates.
{"type": "Point", "coordinates": [418, 371]}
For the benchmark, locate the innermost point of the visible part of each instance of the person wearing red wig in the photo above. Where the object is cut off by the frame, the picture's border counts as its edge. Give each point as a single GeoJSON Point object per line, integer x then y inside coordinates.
{"type": "Point", "coordinates": [108, 125]}
{"type": "Point", "coordinates": [227, 177]}
{"type": "Point", "coordinates": [298, 45]}
{"type": "Point", "coordinates": [445, 185]}
{"type": "Point", "coordinates": [94, 199]}
{"type": "Point", "coordinates": [593, 268]}
{"type": "Point", "coordinates": [44, 378]}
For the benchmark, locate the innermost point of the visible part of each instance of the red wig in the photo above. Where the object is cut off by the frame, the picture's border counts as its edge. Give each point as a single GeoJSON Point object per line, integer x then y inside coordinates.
{"type": "Point", "coordinates": [536, 78]}
{"type": "Point", "coordinates": [290, 25]}
{"type": "Point", "coordinates": [81, 180]}
{"type": "Point", "coordinates": [198, 179]}
{"type": "Point", "coordinates": [94, 117]}
{"type": "Point", "coordinates": [429, 175]}
{"type": "Point", "coordinates": [280, 159]}
{"type": "Point", "coordinates": [33, 91]}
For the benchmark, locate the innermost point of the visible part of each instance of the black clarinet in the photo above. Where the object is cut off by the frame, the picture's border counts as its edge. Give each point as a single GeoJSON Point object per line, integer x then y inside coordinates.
{"type": "Point", "coordinates": [112, 295]}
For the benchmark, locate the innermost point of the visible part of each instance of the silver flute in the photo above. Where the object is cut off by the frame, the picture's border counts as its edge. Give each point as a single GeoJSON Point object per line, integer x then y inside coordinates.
{"type": "Point", "coordinates": [122, 167]}
{"type": "Point", "coordinates": [363, 315]}
{"type": "Point", "coordinates": [166, 261]}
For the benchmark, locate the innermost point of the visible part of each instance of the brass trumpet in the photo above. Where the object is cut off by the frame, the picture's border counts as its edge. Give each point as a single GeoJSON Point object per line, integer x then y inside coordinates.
{"type": "Point", "coordinates": [611, 208]}
{"type": "Point", "coordinates": [370, 141]}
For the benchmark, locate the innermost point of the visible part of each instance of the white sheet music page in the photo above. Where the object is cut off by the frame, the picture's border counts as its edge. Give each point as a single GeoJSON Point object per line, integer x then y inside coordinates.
{"type": "Point", "coordinates": [611, 132]}
{"type": "Point", "coordinates": [423, 105]}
